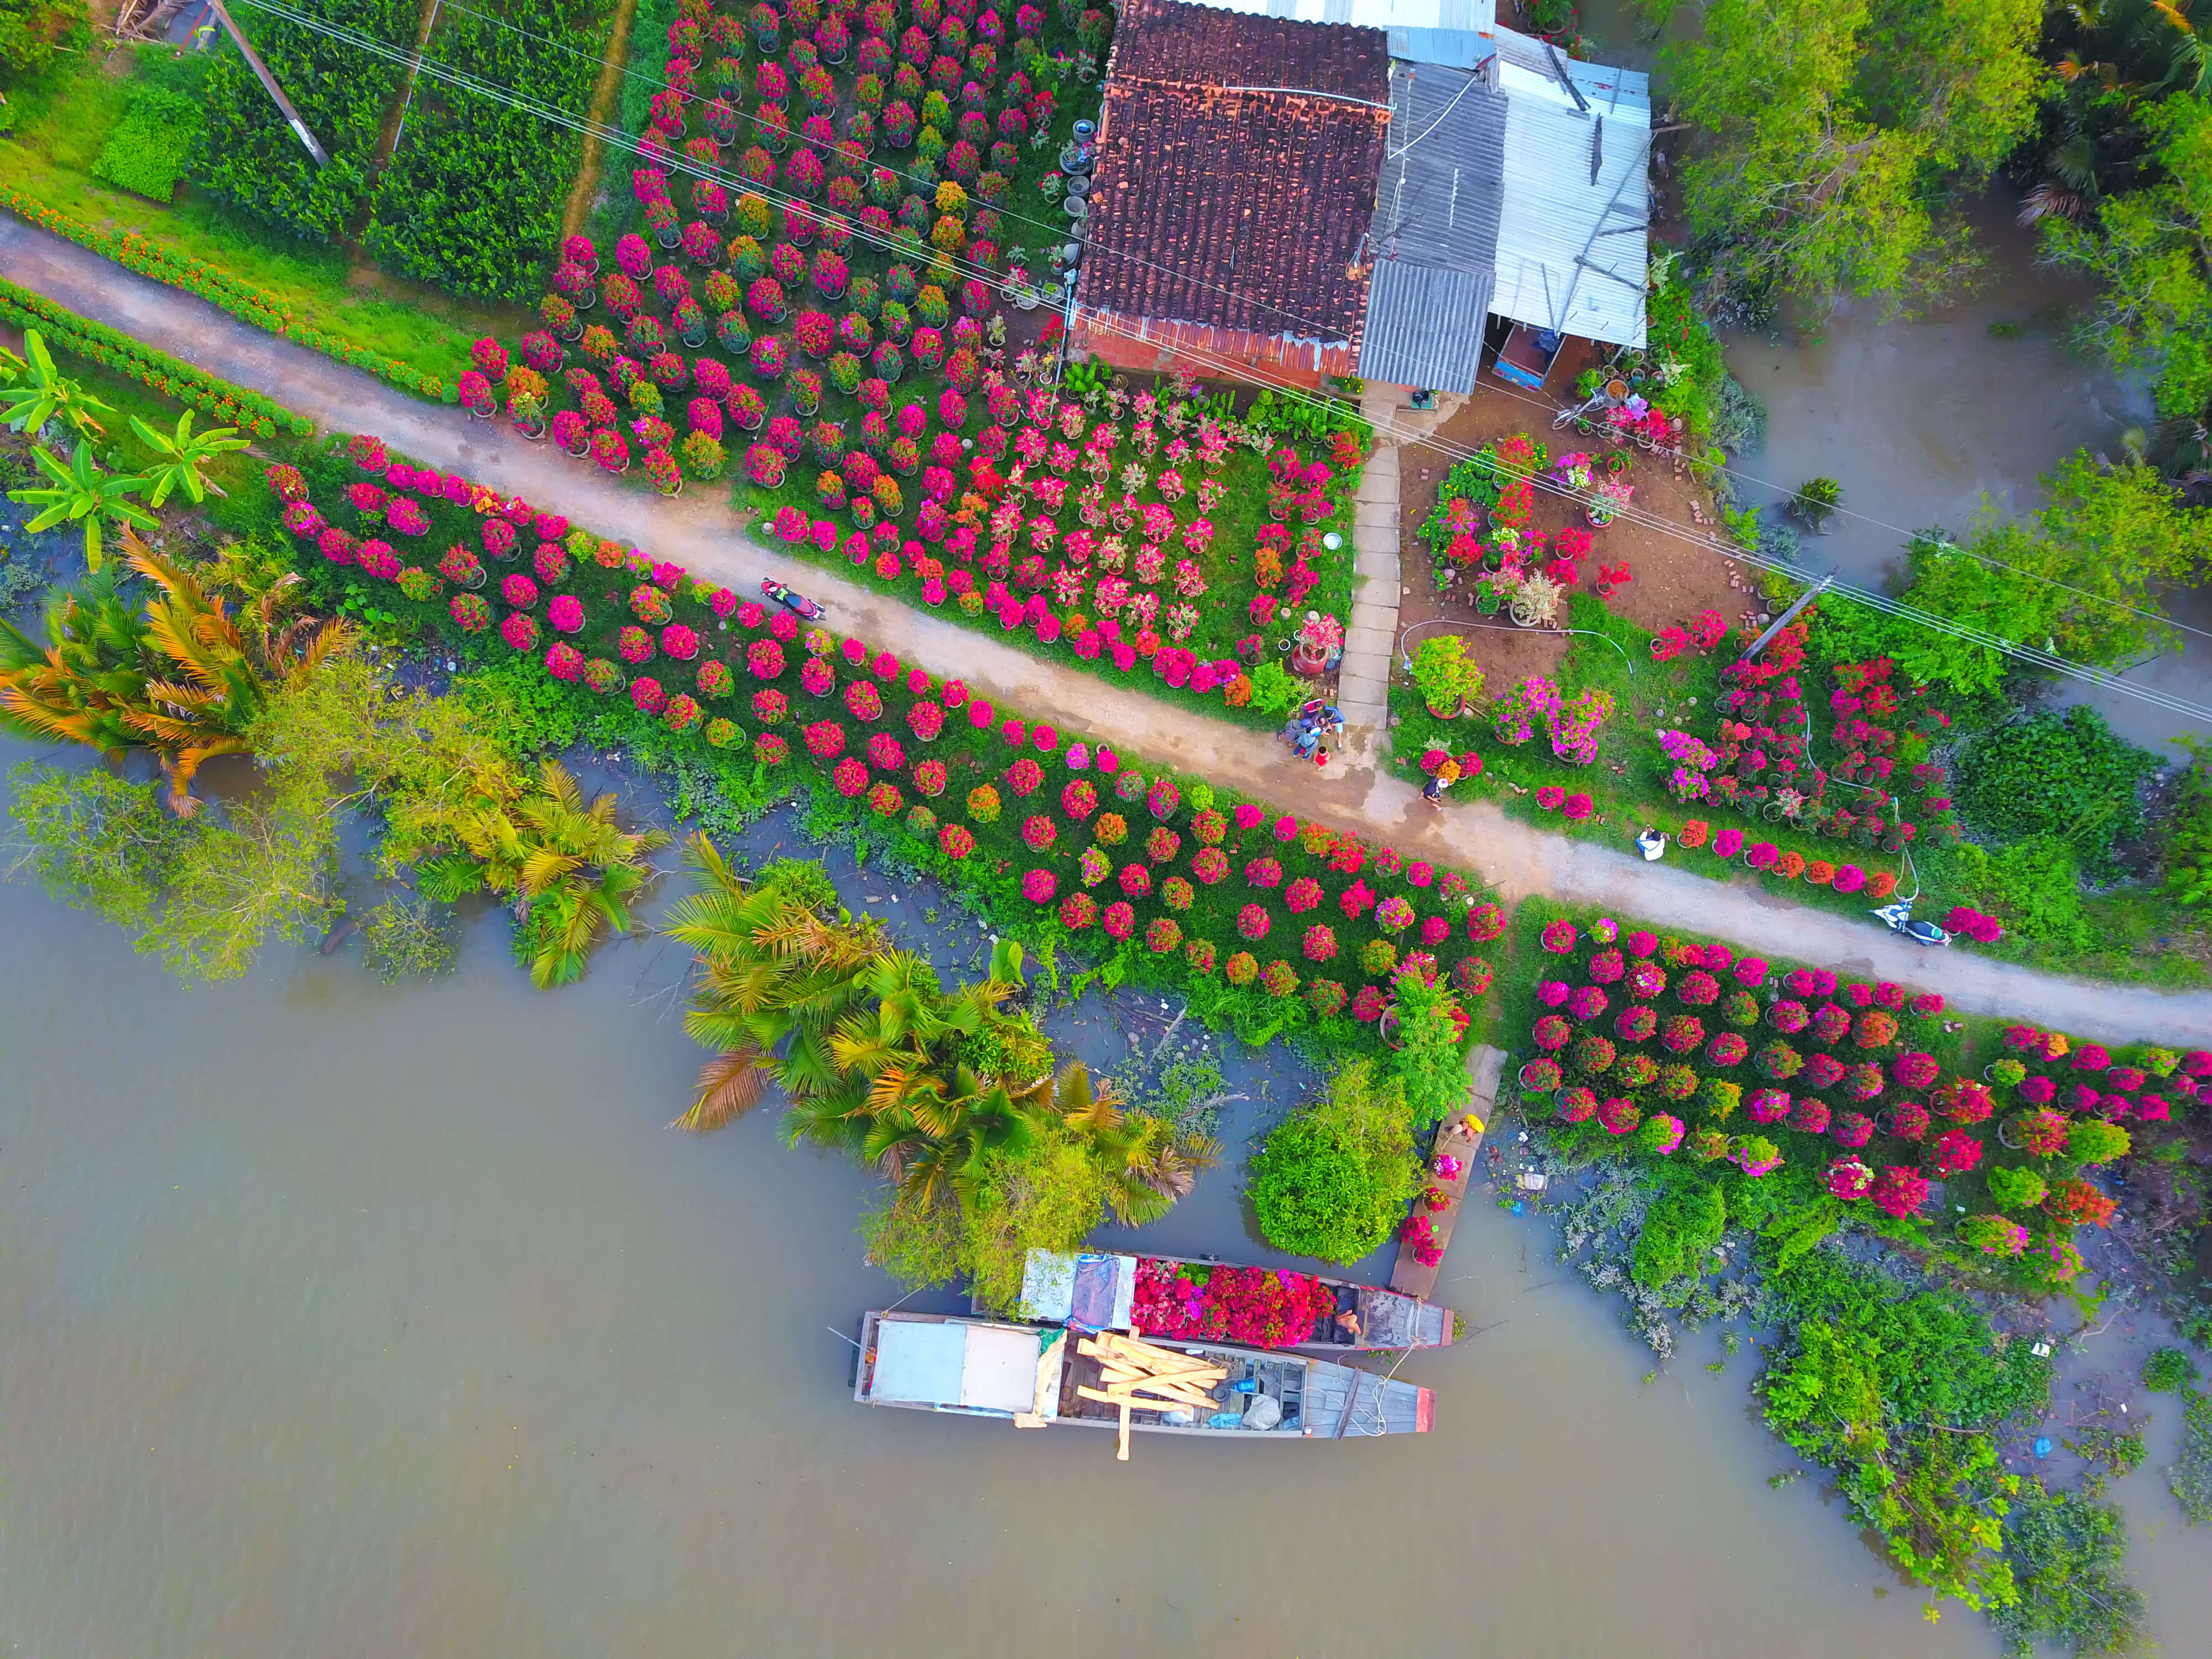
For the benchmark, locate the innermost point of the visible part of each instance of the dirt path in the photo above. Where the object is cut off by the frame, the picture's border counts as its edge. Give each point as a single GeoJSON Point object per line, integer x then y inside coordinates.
{"type": "Point", "coordinates": [604, 96]}
{"type": "Point", "coordinates": [702, 532]}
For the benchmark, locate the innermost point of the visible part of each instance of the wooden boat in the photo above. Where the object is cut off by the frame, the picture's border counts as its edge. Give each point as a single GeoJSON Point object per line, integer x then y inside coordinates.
{"type": "Point", "coordinates": [1036, 1375]}
{"type": "Point", "coordinates": [1095, 1291]}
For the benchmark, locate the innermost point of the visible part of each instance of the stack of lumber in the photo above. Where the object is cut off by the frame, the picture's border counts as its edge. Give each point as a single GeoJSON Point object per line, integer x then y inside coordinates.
{"type": "Point", "coordinates": [1140, 1376]}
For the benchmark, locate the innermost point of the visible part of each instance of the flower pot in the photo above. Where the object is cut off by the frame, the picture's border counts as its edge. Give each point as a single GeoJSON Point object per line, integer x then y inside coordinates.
{"type": "Point", "coordinates": [753, 425]}
{"type": "Point", "coordinates": [1599, 517]}
{"type": "Point", "coordinates": [574, 330]}
{"type": "Point", "coordinates": [591, 298]}
{"type": "Point", "coordinates": [679, 490]}
{"type": "Point", "coordinates": [695, 341]}
{"type": "Point", "coordinates": [592, 269]}
{"type": "Point", "coordinates": [478, 579]}
{"type": "Point", "coordinates": [1012, 419]}
{"type": "Point", "coordinates": [1451, 714]}
{"type": "Point", "coordinates": [1387, 1028]}
{"type": "Point", "coordinates": [1026, 300]}
{"type": "Point", "coordinates": [1522, 1074]}
{"type": "Point", "coordinates": [580, 451]}
{"type": "Point", "coordinates": [1523, 615]}
{"type": "Point", "coordinates": [2008, 1135]}
{"type": "Point", "coordinates": [532, 431]}
{"type": "Point", "coordinates": [483, 414]}
{"type": "Point", "coordinates": [1308, 660]}
{"type": "Point", "coordinates": [668, 238]}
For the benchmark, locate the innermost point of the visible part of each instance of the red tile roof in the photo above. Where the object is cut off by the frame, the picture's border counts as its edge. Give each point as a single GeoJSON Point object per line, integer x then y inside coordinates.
{"type": "Point", "coordinates": [1237, 210]}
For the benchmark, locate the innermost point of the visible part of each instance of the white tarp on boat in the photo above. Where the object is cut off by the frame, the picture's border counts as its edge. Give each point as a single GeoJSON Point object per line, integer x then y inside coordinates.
{"type": "Point", "coordinates": [929, 1363]}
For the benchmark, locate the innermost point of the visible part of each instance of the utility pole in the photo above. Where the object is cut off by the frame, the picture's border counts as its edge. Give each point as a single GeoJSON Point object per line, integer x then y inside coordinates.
{"type": "Point", "coordinates": [1788, 616]}
{"type": "Point", "coordinates": [269, 82]}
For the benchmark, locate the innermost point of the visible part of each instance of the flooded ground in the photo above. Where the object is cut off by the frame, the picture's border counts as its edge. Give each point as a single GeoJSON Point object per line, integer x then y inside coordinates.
{"type": "Point", "coordinates": [1923, 420]}
{"type": "Point", "coordinates": [358, 1321]}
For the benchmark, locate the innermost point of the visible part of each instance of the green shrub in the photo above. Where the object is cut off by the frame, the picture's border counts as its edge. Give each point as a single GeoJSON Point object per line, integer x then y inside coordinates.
{"type": "Point", "coordinates": [1432, 1060]}
{"type": "Point", "coordinates": [2064, 774]}
{"type": "Point", "coordinates": [150, 152]}
{"type": "Point", "coordinates": [1334, 1178]}
{"type": "Point", "coordinates": [2068, 1552]}
{"type": "Point", "coordinates": [1678, 1232]}
{"type": "Point", "coordinates": [2168, 1371]}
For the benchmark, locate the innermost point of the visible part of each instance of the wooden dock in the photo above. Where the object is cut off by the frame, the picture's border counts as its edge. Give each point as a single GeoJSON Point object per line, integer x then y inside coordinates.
{"type": "Point", "coordinates": [1460, 1137]}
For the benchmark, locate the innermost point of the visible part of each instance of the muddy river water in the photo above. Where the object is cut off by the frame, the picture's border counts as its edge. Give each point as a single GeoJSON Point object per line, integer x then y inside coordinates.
{"type": "Point", "coordinates": [1923, 420]}
{"type": "Point", "coordinates": [344, 1320]}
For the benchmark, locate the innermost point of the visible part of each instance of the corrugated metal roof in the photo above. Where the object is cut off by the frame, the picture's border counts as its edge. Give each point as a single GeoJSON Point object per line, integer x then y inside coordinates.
{"type": "Point", "coordinates": [1435, 235]}
{"type": "Point", "coordinates": [1601, 84]}
{"type": "Point", "coordinates": [1453, 48]}
{"type": "Point", "coordinates": [1572, 236]}
{"type": "Point", "coordinates": [1480, 16]}
{"type": "Point", "coordinates": [1425, 326]}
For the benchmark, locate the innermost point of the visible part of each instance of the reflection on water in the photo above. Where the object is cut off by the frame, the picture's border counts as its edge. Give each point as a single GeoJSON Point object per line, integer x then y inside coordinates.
{"type": "Point", "coordinates": [1923, 420]}
{"type": "Point", "coordinates": [349, 1320]}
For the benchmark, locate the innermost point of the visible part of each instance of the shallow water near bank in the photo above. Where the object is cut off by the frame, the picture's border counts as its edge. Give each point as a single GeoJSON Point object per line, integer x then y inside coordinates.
{"type": "Point", "coordinates": [349, 1319]}
{"type": "Point", "coordinates": [1923, 420]}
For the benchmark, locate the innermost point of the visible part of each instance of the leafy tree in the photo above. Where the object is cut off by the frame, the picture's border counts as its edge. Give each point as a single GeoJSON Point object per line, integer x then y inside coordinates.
{"type": "Point", "coordinates": [569, 869]}
{"type": "Point", "coordinates": [33, 31]}
{"type": "Point", "coordinates": [1431, 1057]}
{"type": "Point", "coordinates": [97, 841]}
{"type": "Point", "coordinates": [267, 867]}
{"type": "Point", "coordinates": [1902, 1394]}
{"type": "Point", "coordinates": [1834, 133]}
{"type": "Point", "coordinates": [186, 680]}
{"type": "Point", "coordinates": [1334, 1178]}
{"type": "Point", "coordinates": [2147, 246]}
{"type": "Point", "coordinates": [1678, 1232]}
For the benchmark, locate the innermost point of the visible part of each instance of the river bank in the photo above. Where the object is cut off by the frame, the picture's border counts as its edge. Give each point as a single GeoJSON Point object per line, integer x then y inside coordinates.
{"type": "Point", "coordinates": [408, 1297]}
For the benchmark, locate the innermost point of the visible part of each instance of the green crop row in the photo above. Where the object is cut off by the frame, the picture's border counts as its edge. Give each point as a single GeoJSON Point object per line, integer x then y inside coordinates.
{"type": "Point", "coordinates": [95, 342]}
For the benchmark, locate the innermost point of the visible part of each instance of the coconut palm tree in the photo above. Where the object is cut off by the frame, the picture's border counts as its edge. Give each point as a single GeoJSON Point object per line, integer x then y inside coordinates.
{"type": "Point", "coordinates": [774, 974]}
{"type": "Point", "coordinates": [570, 868]}
{"type": "Point", "coordinates": [218, 672]}
{"type": "Point", "coordinates": [83, 682]}
{"type": "Point", "coordinates": [1147, 1167]}
{"type": "Point", "coordinates": [185, 455]}
{"type": "Point", "coordinates": [33, 392]}
{"type": "Point", "coordinates": [82, 491]}
{"type": "Point", "coordinates": [185, 678]}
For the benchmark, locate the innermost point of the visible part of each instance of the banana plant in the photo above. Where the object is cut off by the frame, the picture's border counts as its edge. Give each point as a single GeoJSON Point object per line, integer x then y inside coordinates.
{"type": "Point", "coordinates": [185, 457]}
{"type": "Point", "coordinates": [35, 392]}
{"type": "Point", "coordinates": [82, 491]}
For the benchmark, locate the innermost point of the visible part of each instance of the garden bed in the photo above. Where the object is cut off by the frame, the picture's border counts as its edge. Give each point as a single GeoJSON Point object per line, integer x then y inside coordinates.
{"type": "Point", "coordinates": [1271, 926]}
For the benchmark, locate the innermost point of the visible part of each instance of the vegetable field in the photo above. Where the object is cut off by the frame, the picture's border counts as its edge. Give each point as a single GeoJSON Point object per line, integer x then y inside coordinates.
{"type": "Point", "coordinates": [472, 200]}
{"type": "Point", "coordinates": [249, 156]}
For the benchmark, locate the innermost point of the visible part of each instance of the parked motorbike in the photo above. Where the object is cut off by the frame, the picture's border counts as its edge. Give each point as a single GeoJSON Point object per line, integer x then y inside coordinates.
{"type": "Point", "coordinates": [789, 600]}
{"type": "Point", "coordinates": [1898, 918]}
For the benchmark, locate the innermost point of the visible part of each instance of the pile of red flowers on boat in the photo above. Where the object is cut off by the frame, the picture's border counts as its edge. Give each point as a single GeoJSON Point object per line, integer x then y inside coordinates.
{"type": "Point", "coordinates": [1256, 1307]}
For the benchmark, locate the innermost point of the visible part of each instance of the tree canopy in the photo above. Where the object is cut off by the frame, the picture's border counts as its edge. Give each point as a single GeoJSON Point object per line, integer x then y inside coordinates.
{"type": "Point", "coordinates": [1834, 136]}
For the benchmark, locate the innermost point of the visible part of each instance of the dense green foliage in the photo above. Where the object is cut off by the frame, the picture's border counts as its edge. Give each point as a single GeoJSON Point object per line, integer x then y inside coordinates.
{"type": "Point", "coordinates": [2169, 1370]}
{"type": "Point", "coordinates": [1901, 1392]}
{"type": "Point", "coordinates": [472, 197]}
{"type": "Point", "coordinates": [1683, 1222]}
{"type": "Point", "coordinates": [1334, 1178]}
{"type": "Point", "coordinates": [32, 33]}
{"type": "Point", "coordinates": [1834, 135]}
{"type": "Point", "coordinates": [250, 156]}
{"type": "Point", "coordinates": [2068, 1551]}
{"type": "Point", "coordinates": [2188, 850]}
{"type": "Point", "coordinates": [1430, 1061]}
{"type": "Point", "coordinates": [152, 147]}
{"type": "Point", "coordinates": [2063, 774]}
{"type": "Point", "coordinates": [2190, 1477]}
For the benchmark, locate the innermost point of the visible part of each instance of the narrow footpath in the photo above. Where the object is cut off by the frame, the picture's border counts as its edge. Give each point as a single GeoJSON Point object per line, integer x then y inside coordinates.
{"type": "Point", "coordinates": [702, 533]}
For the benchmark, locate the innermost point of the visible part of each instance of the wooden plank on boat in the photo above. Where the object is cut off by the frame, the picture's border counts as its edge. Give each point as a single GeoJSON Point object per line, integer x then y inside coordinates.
{"type": "Point", "coordinates": [1351, 1399]}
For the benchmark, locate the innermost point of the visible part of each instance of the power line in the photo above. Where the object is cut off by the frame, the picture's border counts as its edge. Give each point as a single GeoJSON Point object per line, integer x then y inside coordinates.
{"type": "Point", "coordinates": [1879, 602]}
{"type": "Point", "coordinates": [1054, 230]}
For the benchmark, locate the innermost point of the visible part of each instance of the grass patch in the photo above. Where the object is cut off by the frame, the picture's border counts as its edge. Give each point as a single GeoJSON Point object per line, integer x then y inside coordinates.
{"type": "Point", "coordinates": [65, 121]}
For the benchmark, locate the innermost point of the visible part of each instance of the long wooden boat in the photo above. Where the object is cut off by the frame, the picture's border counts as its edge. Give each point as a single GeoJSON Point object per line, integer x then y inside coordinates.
{"type": "Point", "coordinates": [1038, 1375]}
{"type": "Point", "coordinates": [1097, 1291]}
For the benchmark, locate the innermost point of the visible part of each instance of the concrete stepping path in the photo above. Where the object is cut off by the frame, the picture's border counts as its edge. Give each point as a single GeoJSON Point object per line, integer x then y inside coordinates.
{"type": "Point", "coordinates": [700, 531]}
